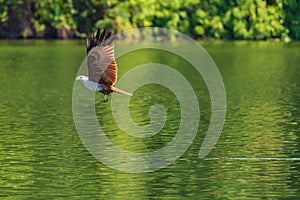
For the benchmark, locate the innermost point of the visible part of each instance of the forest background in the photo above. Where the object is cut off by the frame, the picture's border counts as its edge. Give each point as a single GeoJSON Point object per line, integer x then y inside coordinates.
{"type": "Point", "coordinates": [220, 19]}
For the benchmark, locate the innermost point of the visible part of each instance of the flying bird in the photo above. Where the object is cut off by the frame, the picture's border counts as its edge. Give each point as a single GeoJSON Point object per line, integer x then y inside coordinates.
{"type": "Point", "coordinates": [102, 66]}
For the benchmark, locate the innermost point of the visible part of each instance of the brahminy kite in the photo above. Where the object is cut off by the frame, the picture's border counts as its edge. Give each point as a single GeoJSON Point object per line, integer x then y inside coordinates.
{"type": "Point", "coordinates": [102, 66]}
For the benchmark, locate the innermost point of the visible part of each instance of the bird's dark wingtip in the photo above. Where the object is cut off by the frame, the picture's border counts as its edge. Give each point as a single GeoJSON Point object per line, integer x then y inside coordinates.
{"type": "Point", "coordinates": [100, 39]}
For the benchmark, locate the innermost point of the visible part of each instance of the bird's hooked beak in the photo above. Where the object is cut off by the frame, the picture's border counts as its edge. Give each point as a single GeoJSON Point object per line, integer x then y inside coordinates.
{"type": "Point", "coordinates": [77, 78]}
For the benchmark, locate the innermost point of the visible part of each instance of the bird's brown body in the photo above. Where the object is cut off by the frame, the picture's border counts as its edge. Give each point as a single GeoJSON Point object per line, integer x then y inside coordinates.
{"type": "Point", "coordinates": [102, 66]}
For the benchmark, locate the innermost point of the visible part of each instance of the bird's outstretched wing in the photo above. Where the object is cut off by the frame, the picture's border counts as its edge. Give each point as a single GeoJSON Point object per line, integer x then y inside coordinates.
{"type": "Point", "coordinates": [102, 67]}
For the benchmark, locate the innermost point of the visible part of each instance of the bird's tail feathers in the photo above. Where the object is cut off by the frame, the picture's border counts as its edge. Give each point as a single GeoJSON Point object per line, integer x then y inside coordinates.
{"type": "Point", "coordinates": [120, 91]}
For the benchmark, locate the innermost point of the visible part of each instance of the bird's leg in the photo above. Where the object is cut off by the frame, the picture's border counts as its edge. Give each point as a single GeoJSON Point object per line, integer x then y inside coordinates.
{"type": "Point", "coordinates": [105, 99]}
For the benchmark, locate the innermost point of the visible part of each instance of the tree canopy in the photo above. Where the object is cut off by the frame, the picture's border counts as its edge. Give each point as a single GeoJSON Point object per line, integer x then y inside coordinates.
{"type": "Point", "coordinates": [221, 19]}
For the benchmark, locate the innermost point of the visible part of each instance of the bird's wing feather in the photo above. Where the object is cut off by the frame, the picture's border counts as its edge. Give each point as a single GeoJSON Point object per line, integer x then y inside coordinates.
{"type": "Point", "coordinates": [102, 66]}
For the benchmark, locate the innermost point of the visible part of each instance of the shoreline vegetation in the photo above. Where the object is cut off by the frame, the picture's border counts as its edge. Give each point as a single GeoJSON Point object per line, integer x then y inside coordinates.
{"type": "Point", "coordinates": [200, 19]}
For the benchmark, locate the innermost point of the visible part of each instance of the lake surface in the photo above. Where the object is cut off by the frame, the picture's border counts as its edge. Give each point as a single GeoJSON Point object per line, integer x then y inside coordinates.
{"type": "Point", "coordinates": [256, 157]}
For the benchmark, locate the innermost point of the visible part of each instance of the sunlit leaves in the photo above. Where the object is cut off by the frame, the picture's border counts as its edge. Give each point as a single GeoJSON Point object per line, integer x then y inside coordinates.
{"type": "Point", "coordinates": [224, 19]}
{"type": "Point", "coordinates": [254, 19]}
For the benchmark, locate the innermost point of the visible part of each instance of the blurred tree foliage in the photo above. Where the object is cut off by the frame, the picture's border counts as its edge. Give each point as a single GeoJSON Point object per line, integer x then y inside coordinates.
{"type": "Point", "coordinates": [223, 19]}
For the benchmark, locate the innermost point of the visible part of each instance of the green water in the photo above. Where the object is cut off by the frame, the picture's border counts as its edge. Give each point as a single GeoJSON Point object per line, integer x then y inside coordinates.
{"type": "Point", "coordinates": [42, 156]}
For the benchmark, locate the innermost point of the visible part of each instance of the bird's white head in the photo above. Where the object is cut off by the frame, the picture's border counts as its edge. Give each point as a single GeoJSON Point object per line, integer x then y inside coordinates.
{"type": "Point", "coordinates": [82, 78]}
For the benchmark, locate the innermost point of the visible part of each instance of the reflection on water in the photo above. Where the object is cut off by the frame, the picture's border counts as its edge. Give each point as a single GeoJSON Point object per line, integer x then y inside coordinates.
{"type": "Point", "coordinates": [42, 156]}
